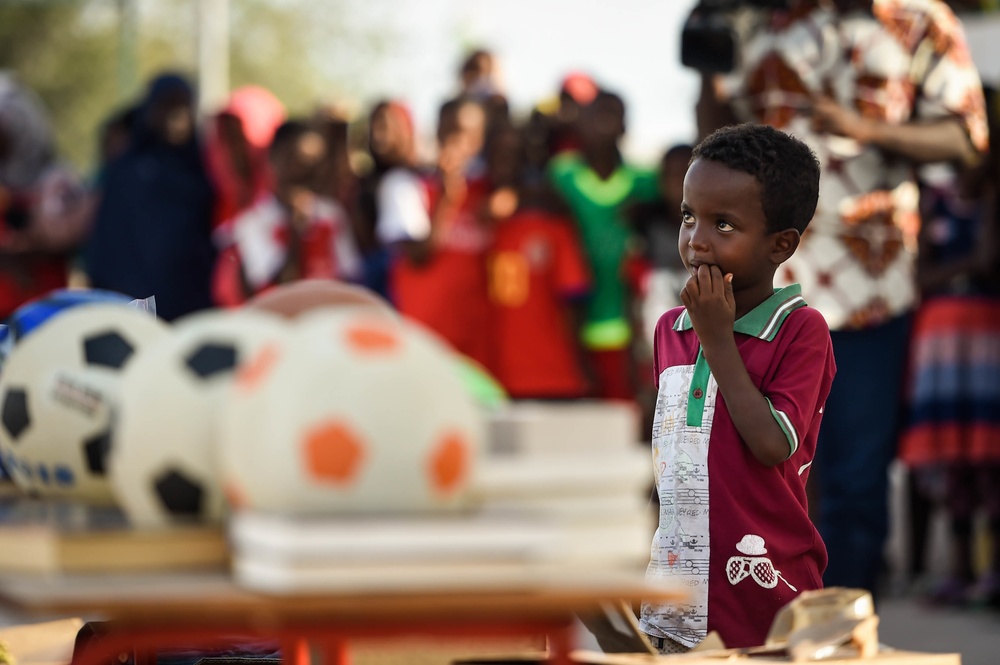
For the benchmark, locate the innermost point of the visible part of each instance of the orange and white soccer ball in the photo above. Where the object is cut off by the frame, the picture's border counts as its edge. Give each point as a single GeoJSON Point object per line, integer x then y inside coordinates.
{"type": "Point", "coordinates": [354, 413]}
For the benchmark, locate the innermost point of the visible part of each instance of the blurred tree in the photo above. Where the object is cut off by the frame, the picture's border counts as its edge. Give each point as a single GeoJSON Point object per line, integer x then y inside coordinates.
{"type": "Point", "coordinates": [75, 54]}
{"type": "Point", "coordinates": [67, 52]}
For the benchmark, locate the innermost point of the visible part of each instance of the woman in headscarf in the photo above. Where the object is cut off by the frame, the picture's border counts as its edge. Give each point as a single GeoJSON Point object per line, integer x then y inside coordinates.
{"type": "Point", "coordinates": [236, 143]}
{"type": "Point", "coordinates": [44, 212]}
{"type": "Point", "coordinates": [152, 233]}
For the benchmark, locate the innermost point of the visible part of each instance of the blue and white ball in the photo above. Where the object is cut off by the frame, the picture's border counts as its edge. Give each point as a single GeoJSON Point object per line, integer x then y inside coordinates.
{"type": "Point", "coordinates": [58, 393]}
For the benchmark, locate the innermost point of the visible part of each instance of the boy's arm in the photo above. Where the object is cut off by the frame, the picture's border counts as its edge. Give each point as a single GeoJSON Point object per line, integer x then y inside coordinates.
{"type": "Point", "coordinates": [709, 300]}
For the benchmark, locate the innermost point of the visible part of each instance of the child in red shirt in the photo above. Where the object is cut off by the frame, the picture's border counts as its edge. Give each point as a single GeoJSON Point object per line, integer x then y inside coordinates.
{"type": "Point", "coordinates": [289, 234]}
{"type": "Point", "coordinates": [743, 372]}
{"type": "Point", "coordinates": [537, 272]}
{"type": "Point", "coordinates": [438, 271]}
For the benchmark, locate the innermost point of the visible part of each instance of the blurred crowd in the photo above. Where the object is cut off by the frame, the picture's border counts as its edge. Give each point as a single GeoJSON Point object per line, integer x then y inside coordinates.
{"type": "Point", "coordinates": [502, 241]}
{"type": "Point", "coordinates": [528, 242]}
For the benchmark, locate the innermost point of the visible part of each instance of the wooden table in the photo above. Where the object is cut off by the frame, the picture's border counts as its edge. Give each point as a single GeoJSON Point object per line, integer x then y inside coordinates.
{"type": "Point", "coordinates": [151, 611]}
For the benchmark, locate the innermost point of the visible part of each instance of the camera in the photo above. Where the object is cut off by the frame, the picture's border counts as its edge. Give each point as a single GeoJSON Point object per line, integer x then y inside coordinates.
{"type": "Point", "coordinates": [711, 33]}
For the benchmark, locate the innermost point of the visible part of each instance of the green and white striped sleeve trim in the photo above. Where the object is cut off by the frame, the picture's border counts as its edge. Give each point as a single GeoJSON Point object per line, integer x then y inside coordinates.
{"type": "Point", "coordinates": [785, 423]}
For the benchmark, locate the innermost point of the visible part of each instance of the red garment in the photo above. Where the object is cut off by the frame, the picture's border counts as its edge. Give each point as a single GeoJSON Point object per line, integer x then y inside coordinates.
{"type": "Point", "coordinates": [448, 293]}
{"type": "Point", "coordinates": [612, 373]}
{"type": "Point", "coordinates": [29, 277]}
{"type": "Point", "coordinates": [536, 265]}
{"type": "Point", "coordinates": [734, 531]}
{"type": "Point", "coordinates": [254, 248]}
{"type": "Point", "coordinates": [260, 114]}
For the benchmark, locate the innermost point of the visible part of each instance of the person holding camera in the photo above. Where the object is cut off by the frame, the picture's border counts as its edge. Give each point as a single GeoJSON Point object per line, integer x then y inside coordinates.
{"type": "Point", "coordinates": [875, 88]}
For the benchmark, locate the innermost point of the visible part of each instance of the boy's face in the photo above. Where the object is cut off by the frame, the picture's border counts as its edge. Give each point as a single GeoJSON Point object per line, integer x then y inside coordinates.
{"type": "Point", "coordinates": [602, 122]}
{"type": "Point", "coordinates": [460, 136]}
{"type": "Point", "coordinates": [172, 117]}
{"type": "Point", "coordinates": [295, 165]}
{"type": "Point", "coordinates": [723, 224]}
{"type": "Point", "coordinates": [389, 138]}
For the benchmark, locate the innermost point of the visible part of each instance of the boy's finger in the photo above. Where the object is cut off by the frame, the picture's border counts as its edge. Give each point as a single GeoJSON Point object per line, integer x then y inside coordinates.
{"type": "Point", "coordinates": [730, 298]}
{"type": "Point", "coordinates": [704, 279]}
{"type": "Point", "coordinates": [692, 285]}
{"type": "Point", "coordinates": [685, 297]}
{"type": "Point", "coordinates": [717, 282]}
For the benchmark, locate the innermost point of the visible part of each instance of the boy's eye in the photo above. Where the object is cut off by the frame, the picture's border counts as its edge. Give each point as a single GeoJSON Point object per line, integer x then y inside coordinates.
{"type": "Point", "coordinates": [686, 217]}
{"type": "Point", "coordinates": [723, 225]}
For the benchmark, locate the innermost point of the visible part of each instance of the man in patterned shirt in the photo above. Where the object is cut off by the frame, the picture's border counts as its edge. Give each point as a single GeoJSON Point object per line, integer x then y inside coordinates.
{"type": "Point", "coordinates": [874, 88]}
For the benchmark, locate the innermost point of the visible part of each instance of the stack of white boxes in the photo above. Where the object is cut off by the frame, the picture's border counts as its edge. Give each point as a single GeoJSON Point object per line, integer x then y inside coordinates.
{"type": "Point", "coordinates": [561, 497]}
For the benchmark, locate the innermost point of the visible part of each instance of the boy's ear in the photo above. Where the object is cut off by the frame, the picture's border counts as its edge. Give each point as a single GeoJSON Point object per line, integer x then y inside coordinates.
{"type": "Point", "coordinates": [783, 245]}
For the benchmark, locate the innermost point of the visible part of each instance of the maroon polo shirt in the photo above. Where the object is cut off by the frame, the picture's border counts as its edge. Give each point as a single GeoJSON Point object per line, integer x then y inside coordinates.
{"type": "Point", "coordinates": [734, 532]}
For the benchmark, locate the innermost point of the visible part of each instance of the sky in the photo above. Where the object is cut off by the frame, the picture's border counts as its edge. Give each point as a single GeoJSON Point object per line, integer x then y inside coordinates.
{"type": "Point", "coordinates": [629, 46]}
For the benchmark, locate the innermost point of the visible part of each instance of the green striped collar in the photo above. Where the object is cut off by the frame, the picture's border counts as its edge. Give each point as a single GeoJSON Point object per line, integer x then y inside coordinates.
{"type": "Point", "coordinates": [764, 320]}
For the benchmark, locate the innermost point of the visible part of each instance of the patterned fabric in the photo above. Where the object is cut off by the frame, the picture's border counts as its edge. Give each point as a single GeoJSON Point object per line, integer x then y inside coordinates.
{"type": "Point", "coordinates": [954, 391]}
{"type": "Point", "coordinates": [907, 60]}
{"type": "Point", "coordinates": [733, 532]}
{"type": "Point", "coordinates": [953, 395]}
{"type": "Point", "coordinates": [667, 646]}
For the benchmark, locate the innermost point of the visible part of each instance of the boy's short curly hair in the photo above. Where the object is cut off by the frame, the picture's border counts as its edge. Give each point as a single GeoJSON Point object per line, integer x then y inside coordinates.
{"type": "Point", "coordinates": [785, 167]}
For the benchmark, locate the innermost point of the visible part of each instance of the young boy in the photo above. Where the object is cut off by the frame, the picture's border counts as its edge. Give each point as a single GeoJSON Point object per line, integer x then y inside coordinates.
{"type": "Point", "coordinates": [599, 187]}
{"type": "Point", "coordinates": [538, 281]}
{"type": "Point", "coordinates": [438, 271]}
{"type": "Point", "coordinates": [289, 234]}
{"type": "Point", "coordinates": [743, 373]}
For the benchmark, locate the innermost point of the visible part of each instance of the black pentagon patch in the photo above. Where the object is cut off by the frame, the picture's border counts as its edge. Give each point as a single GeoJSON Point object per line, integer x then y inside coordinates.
{"type": "Point", "coordinates": [96, 449]}
{"type": "Point", "coordinates": [109, 349]}
{"type": "Point", "coordinates": [179, 495]}
{"type": "Point", "coordinates": [15, 414]}
{"type": "Point", "coordinates": [211, 359]}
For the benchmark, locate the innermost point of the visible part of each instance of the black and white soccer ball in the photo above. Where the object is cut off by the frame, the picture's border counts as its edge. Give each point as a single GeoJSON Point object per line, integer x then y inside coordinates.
{"type": "Point", "coordinates": [58, 394]}
{"type": "Point", "coordinates": [163, 463]}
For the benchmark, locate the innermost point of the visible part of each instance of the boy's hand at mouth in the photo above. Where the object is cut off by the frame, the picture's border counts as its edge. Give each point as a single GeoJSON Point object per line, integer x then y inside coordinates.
{"type": "Point", "coordinates": [708, 297]}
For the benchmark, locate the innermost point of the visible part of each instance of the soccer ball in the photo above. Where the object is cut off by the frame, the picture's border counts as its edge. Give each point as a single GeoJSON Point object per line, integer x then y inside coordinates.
{"type": "Point", "coordinates": [163, 464]}
{"type": "Point", "coordinates": [355, 413]}
{"type": "Point", "coordinates": [34, 313]}
{"type": "Point", "coordinates": [303, 296]}
{"type": "Point", "coordinates": [29, 316]}
{"type": "Point", "coordinates": [58, 392]}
